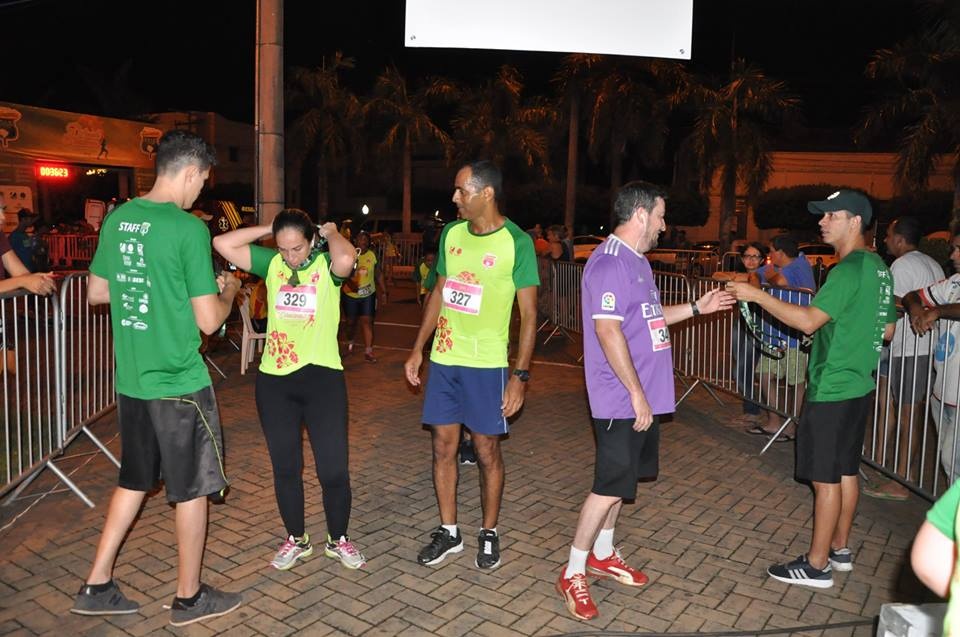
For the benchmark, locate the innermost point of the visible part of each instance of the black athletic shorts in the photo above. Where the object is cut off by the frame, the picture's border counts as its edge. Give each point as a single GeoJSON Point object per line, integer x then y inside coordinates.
{"type": "Point", "coordinates": [830, 439]}
{"type": "Point", "coordinates": [364, 306]}
{"type": "Point", "coordinates": [177, 440]}
{"type": "Point", "coordinates": [624, 456]}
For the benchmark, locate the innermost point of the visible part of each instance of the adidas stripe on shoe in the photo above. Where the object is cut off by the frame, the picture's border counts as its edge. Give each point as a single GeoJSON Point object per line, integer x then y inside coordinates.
{"type": "Point", "coordinates": [801, 572]}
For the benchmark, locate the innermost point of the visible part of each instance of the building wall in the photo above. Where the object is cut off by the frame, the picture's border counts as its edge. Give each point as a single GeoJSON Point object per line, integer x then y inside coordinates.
{"type": "Point", "coordinates": [871, 172]}
{"type": "Point", "coordinates": [235, 143]}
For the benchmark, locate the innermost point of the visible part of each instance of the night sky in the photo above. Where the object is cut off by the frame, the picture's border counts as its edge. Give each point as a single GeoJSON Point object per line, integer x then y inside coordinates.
{"type": "Point", "coordinates": [199, 55]}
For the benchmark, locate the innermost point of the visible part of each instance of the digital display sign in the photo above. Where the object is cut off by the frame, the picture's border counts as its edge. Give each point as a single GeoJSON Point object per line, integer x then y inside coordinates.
{"type": "Point", "coordinates": [49, 171]}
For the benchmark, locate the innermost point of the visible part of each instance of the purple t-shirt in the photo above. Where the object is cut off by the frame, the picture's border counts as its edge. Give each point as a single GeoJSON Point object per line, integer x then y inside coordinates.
{"type": "Point", "coordinates": [618, 285]}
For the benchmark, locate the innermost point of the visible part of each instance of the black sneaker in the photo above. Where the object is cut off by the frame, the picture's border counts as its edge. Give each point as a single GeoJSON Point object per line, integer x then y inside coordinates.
{"type": "Point", "coordinates": [468, 455]}
{"type": "Point", "coordinates": [441, 543]}
{"type": "Point", "coordinates": [801, 572]}
{"type": "Point", "coordinates": [103, 599]}
{"type": "Point", "coordinates": [488, 553]}
{"type": "Point", "coordinates": [210, 603]}
{"type": "Point", "coordinates": [841, 559]}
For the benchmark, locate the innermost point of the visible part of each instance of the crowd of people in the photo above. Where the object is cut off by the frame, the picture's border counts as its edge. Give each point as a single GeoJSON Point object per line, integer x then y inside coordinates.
{"type": "Point", "coordinates": [152, 267]}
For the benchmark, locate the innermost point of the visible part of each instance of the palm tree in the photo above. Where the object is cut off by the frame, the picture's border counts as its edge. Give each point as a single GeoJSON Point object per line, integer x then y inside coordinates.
{"type": "Point", "coordinates": [732, 133]}
{"type": "Point", "coordinates": [408, 122]}
{"type": "Point", "coordinates": [496, 123]}
{"type": "Point", "coordinates": [327, 121]}
{"type": "Point", "coordinates": [631, 106]}
{"type": "Point", "coordinates": [574, 80]}
{"type": "Point", "coordinates": [922, 105]}
{"type": "Point", "coordinates": [112, 91]}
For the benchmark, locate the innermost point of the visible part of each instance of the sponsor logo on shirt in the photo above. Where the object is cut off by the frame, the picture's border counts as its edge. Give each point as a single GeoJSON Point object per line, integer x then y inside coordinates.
{"type": "Point", "coordinates": [608, 301]}
{"type": "Point", "coordinates": [489, 260]}
{"type": "Point", "coordinates": [455, 250]}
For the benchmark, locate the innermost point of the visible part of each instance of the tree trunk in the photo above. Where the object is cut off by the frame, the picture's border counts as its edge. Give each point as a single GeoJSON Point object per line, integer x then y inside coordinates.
{"type": "Point", "coordinates": [294, 183]}
{"type": "Point", "coordinates": [728, 206]}
{"type": "Point", "coordinates": [570, 202]}
{"type": "Point", "coordinates": [407, 183]}
{"type": "Point", "coordinates": [323, 187]}
{"type": "Point", "coordinates": [616, 179]}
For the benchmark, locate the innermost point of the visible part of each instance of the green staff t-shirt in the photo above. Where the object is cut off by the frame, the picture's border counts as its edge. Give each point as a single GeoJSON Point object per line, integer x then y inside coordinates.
{"type": "Point", "coordinates": [858, 297]}
{"type": "Point", "coordinates": [155, 258]}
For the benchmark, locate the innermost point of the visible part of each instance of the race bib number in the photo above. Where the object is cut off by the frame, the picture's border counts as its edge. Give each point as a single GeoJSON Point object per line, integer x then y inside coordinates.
{"type": "Point", "coordinates": [659, 334]}
{"type": "Point", "coordinates": [462, 297]}
{"type": "Point", "coordinates": [366, 290]}
{"type": "Point", "coordinates": [296, 303]}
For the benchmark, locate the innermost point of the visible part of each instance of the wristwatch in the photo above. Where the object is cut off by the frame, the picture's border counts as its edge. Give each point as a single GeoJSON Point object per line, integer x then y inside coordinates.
{"type": "Point", "coordinates": [522, 374]}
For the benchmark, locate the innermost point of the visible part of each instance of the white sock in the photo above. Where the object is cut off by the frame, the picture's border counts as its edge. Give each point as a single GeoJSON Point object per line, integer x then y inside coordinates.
{"type": "Point", "coordinates": [494, 530]}
{"type": "Point", "coordinates": [451, 529]}
{"type": "Point", "coordinates": [603, 546]}
{"type": "Point", "coordinates": [577, 563]}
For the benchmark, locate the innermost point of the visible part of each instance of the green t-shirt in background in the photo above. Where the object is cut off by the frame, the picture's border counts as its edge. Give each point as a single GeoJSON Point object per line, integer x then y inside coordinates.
{"type": "Point", "coordinates": [858, 297]}
{"type": "Point", "coordinates": [302, 319]}
{"type": "Point", "coordinates": [943, 515]}
{"type": "Point", "coordinates": [155, 258]}
{"type": "Point", "coordinates": [483, 274]}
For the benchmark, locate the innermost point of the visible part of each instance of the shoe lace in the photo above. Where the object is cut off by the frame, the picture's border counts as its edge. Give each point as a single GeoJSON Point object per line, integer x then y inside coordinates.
{"type": "Point", "coordinates": [578, 587]}
{"type": "Point", "coordinates": [617, 556]}
{"type": "Point", "coordinates": [437, 538]}
{"type": "Point", "coordinates": [347, 547]}
{"type": "Point", "coordinates": [486, 540]}
{"type": "Point", "coordinates": [288, 545]}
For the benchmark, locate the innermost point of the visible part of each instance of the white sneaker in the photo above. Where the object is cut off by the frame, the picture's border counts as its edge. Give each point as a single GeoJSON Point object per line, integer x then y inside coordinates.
{"type": "Point", "coordinates": [345, 551]}
{"type": "Point", "coordinates": [290, 551]}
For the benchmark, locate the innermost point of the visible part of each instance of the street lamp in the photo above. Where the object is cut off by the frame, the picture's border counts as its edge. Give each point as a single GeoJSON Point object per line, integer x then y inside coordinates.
{"type": "Point", "coordinates": [365, 209]}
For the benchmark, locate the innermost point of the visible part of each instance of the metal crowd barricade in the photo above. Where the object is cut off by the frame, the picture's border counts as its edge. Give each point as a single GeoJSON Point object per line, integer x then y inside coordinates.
{"type": "Point", "coordinates": [913, 433]}
{"type": "Point", "coordinates": [675, 289]}
{"type": "Point", "coordinates": [564, 299]}
{"type": "Point", "coordinates": [70, 249]}
{"type": "Point", "coordinates": [89, 374]}
{"type": "Point", "coordinates": [58, 377]}
{"type": "Point", "coordinates": [912, 436]}
{"type": "Point", "coordinates": [726, 355]}
{"type": "Point", "coordinates": [409, 252]}
{"type": "Point", "coordinates": [30, 364]}
{"type": "Point", "coordinates": [685, 262]}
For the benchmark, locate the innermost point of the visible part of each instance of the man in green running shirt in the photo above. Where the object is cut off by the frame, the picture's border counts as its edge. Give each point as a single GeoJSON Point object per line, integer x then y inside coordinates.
{"type": "Point", "coordinates": [483, 262]}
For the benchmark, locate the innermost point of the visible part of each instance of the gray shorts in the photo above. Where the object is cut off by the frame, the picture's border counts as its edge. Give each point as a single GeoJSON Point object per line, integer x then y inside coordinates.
{"type": "Point", "coordinates": [907, 376]}
{"type": "Point", "coordinates": [177, 440]}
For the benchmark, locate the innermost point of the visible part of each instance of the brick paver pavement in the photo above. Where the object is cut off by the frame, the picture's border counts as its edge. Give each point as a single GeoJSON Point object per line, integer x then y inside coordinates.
{"type": "Point", "coordinates": [704, 532]}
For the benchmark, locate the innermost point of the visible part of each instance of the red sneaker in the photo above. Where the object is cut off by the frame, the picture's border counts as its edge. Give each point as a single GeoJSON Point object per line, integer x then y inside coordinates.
{"type": "Point", "coordinates": [615, 568]}
{"type": "Point", "coordinates": [576, 595]}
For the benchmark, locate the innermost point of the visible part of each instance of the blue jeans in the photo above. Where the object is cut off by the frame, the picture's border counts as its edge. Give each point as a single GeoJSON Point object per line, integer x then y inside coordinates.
{"type": "Point", "coordinates": [745, 356]}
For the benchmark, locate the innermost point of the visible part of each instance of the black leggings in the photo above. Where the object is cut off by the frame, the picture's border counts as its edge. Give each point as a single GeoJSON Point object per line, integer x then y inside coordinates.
{"type": "Point", "coordinates": [316, 396]}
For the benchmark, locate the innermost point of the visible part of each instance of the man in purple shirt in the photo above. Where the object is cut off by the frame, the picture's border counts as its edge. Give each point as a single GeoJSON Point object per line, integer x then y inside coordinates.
{"type": "Point", "coordinates": [629, 373]}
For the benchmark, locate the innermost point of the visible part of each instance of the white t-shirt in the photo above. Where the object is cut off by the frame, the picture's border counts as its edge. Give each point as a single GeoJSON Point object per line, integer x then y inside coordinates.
{"type": "Point", "coordinates": [945, 292]}
{"type": "Point", "coordinates": [912, 271]}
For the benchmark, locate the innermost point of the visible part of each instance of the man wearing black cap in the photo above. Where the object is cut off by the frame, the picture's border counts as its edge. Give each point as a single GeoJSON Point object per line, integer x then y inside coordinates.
{"type": "Point", "coordinates": [850, 317]}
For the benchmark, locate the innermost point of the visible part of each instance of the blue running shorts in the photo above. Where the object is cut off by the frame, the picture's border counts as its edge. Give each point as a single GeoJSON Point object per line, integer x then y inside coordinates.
{"type": "Point", "coordinates": [470, 396]}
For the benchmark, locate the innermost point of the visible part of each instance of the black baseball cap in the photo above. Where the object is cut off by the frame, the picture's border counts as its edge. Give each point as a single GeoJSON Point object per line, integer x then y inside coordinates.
{"type": "Point", "coordinates": [850, 200]}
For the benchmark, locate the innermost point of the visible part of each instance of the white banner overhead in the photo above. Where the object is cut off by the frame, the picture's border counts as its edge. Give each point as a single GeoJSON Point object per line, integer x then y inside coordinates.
{"type": "Point", "coordinates": [647, 28]}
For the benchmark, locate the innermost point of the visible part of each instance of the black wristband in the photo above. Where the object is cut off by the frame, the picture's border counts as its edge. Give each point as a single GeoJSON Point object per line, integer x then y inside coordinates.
{"type": "Point", "coordinates": [696, 310]}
